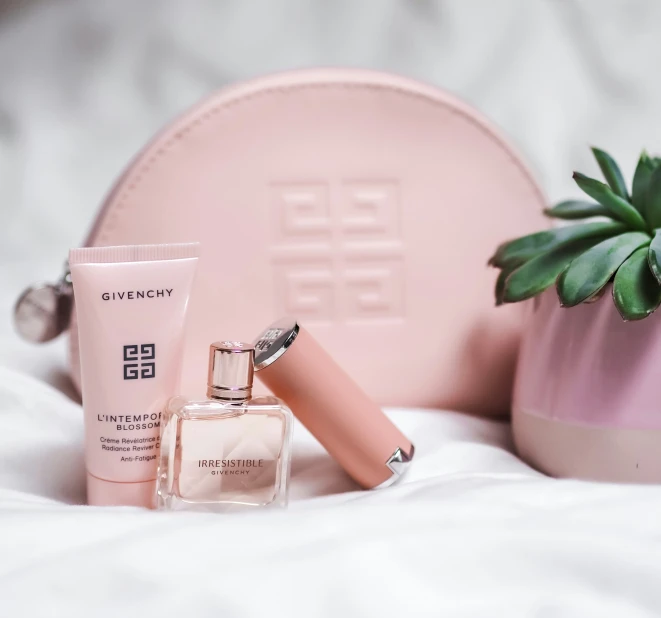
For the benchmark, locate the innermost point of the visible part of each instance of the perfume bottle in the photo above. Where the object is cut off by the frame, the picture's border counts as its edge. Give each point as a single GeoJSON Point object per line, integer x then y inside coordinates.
{"type": "Point", "coordinates": [230, 451]}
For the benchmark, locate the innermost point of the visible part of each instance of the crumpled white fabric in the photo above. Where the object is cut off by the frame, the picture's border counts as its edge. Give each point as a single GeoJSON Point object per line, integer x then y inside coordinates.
{"type": "Point", "coordinates": [471, 531]}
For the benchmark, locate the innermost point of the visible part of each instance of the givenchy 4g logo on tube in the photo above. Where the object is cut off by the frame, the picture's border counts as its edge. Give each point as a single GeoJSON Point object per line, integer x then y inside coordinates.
{"type": "Point", "coordinates": [139, 361]}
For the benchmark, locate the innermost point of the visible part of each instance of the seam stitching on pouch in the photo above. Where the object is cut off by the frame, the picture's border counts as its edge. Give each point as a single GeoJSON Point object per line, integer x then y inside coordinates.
{"type": "Point", "coordinates": [143, 168]}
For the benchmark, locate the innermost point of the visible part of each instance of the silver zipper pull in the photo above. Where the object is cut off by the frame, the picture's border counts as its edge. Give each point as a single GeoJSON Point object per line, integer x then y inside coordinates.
{"type": "Point", "coordinates": [43, 311]}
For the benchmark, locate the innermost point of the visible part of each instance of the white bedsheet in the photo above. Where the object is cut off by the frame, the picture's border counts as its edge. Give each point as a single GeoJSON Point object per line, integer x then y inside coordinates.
{"type": "Point", "coordinates": [472, 531]}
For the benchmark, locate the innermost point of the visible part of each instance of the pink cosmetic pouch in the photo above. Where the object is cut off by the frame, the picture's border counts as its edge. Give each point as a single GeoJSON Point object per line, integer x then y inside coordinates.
{"type": "Point", "coordinates": [364, 204]}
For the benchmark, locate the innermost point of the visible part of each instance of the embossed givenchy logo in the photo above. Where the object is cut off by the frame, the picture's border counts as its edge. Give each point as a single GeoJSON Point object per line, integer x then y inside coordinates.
{"type": "Point", "coordinates": [139, 361]}
{"type": "Point", "coordinates": [342, 263]}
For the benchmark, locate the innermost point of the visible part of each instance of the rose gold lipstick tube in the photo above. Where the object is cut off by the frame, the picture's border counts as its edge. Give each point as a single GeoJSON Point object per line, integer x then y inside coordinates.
{"type": "Point", "coordinates": [351, 427]}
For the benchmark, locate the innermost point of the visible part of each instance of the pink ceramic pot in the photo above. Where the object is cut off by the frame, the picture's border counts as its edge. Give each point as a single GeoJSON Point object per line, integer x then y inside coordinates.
{"type": "Point", "coordinates": [587, 396]}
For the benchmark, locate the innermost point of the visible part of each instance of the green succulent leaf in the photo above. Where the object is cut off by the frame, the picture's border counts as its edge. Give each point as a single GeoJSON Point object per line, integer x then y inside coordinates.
{"type": "Point", "coordinates": [518, 251]}
{"type": "Point", "coordinates": [592, 270]}
{"type": "Point", "coordinates": [541, 271]}
{"type": "Point", "coordinates": [500, 283]}
{"type": "Point", "coordinates": [654, 255]}
{"type": "Point", "coordinates": [595, 297]}
{"type": "Point", "coordinates": [636, 291]}
{"type": "Point", "coordinates": [577, 209]}
{"type": "Point", "coordinates": [641, 180]}
{"type": "Point", "coordinates": [619, 208]}
{"type": "Point", "coordinates": [612, 173]}
{"type": "Point", "coordinates": [653, 211]}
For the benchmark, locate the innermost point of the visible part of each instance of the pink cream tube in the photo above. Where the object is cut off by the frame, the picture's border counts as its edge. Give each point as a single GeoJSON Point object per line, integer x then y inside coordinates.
{"type": "Point", "coordinates": [131, 307]}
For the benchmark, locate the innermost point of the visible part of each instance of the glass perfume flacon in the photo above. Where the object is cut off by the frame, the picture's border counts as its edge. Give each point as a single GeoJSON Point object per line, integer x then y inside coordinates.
{"type": "Point", "coordinates": [230, 451]}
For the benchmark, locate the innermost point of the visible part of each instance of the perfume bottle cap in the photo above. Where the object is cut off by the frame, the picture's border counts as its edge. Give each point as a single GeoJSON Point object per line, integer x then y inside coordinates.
{"type": "Point", "coordinates": [230, 370]}
{"type": "Point", "coordinates": [351, 427]}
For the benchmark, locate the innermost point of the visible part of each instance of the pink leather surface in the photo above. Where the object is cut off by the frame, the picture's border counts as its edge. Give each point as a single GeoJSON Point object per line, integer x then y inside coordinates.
{"type": "Point", "coordinates": [585, 366]}
{"type": "Point", "coordinates": [364, 204]}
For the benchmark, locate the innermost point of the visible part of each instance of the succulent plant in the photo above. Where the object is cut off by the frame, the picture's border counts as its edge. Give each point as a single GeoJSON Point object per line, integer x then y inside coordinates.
{"type": "Point", "coordinates": [623, 246]}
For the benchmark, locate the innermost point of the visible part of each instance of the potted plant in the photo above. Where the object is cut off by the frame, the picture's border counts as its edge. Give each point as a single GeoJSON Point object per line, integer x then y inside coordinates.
{"type": "Point", "coordinates": [587, 395]}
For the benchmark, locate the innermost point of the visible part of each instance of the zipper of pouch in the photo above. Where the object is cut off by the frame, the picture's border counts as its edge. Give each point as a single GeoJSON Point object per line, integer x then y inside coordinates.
{"type": "Point", "coordinates": [43, 311]}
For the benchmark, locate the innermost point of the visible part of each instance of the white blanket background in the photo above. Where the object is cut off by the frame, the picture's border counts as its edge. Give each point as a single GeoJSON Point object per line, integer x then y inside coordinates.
{"type": "Point", "coordinates": [472, 531]}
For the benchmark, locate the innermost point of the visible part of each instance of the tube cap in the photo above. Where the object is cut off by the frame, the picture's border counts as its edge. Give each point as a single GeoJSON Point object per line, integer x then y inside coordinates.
{"type": "Point", "coordinates": [230, 370]}
{"type": "Point", "coordinates": [351, 427]}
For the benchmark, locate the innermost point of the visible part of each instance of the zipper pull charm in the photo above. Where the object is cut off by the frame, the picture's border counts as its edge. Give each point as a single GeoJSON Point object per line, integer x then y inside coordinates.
{"type": "Point", "coordinates": [43, 311]}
